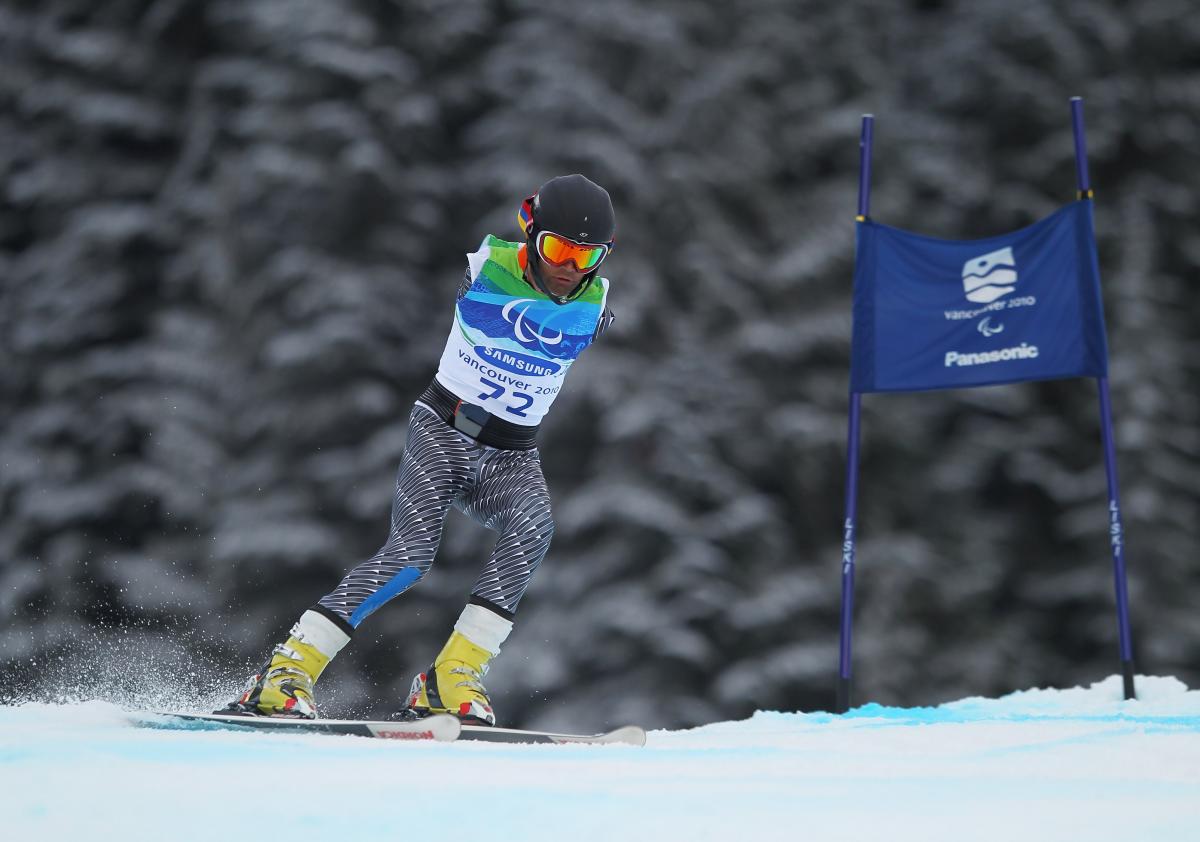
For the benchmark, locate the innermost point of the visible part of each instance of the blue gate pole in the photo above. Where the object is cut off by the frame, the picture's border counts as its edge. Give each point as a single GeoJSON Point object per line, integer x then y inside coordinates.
{"type": "Point", "coordinates": [852, 447]}
{"type": "Point", "coordinates": [1116, 531]}
{"type": "Point", "coordinates": [848, 527]}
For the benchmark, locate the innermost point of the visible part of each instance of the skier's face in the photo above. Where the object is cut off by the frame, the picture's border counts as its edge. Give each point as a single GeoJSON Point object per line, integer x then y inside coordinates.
{"type": "Point", "coordinates": [560, 280]}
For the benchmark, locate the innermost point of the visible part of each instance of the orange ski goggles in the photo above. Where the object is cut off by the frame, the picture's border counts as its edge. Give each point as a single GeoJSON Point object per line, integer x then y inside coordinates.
{"type": "Point", "coordinates": [557, 250]}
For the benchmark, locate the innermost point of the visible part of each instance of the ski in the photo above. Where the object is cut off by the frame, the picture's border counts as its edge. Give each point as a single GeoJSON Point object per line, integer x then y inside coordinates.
{"type": "Point", "coordinates": [440, 728]}
{"type": "Point", "coordinates": [628, 735]}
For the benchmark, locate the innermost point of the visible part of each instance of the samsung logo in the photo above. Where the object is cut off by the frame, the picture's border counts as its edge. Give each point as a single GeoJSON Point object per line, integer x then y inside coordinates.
{"type": "Point", "coordinates": [518, 363]}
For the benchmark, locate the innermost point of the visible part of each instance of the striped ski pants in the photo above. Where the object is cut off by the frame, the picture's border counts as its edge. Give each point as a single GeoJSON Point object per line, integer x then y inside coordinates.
{"type": "Point", "coordinates": [503, 490]}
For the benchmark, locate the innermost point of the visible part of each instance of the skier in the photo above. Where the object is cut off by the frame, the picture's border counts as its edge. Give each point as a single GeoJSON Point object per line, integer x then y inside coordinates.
{"type": "Point", "coordinates": [524, 313]}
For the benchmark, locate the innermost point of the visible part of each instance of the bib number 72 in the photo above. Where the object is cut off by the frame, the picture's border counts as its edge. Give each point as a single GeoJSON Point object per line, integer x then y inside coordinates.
{"type": "Point", "coordinates": [498, 391]}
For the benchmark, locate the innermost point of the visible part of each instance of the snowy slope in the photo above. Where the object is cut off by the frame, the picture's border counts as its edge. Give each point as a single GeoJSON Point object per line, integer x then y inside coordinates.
{"type": "Point", "coordinates": [1036, 765]}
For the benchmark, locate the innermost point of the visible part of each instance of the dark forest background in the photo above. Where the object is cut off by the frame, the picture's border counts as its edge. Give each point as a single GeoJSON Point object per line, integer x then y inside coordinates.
{"type": "Point", "coordinates": [230, 237]}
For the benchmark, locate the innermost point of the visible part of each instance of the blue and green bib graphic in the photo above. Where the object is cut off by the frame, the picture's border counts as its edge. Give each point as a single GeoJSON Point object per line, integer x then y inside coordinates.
{"type": "Point", "coordinates": [511, 345]}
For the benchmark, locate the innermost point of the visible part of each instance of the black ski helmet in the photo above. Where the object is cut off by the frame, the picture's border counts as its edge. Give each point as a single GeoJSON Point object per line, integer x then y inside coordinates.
{"type": "Point", "coordinates": [578, 209]}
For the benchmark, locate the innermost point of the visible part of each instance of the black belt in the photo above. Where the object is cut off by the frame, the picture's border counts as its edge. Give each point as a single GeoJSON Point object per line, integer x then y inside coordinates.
{"type": "Point", "coordinates": [477, 422]}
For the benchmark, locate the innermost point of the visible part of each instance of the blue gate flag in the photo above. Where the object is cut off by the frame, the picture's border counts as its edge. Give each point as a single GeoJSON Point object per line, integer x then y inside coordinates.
{"type": "Point", "coordinates": [945, 314]}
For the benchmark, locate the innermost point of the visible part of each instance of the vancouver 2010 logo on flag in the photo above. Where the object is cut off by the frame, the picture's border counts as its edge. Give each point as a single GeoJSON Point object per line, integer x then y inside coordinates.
{"type": "Point", "coordinates": [990, 276]}
{"type": "Point", "coordinates": [986, 279]}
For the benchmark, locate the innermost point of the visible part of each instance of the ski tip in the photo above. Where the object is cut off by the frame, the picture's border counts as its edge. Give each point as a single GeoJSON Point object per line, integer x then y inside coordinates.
{"type": "Point", "coordinates": [630, 735]}
{"type": "Point", "coordinates": [627, 735]}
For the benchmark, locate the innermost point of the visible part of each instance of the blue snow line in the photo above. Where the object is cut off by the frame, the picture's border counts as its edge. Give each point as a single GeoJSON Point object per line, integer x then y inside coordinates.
{"type": "Point", "coordinates": [933, 715]}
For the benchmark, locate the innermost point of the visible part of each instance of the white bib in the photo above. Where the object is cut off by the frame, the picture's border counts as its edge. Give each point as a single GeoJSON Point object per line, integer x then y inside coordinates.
{"type": "Point", "coordinates": [510, 346]}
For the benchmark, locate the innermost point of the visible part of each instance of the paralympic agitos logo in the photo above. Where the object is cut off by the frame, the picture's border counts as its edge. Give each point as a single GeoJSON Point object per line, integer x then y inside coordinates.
{"type": "Point", "coordinates": [520, 329]}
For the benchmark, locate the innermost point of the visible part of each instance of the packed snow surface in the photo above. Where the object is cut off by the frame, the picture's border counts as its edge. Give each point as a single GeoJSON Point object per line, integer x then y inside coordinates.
{"type": "Point", "coordinates": [1077, 764]}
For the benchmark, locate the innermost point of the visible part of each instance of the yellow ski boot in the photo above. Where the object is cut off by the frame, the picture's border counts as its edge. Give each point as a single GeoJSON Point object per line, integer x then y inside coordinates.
{"type": "Point", "coordinates": [454, 684]}
{"type": "Point", "coordinates": [284, 686]}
